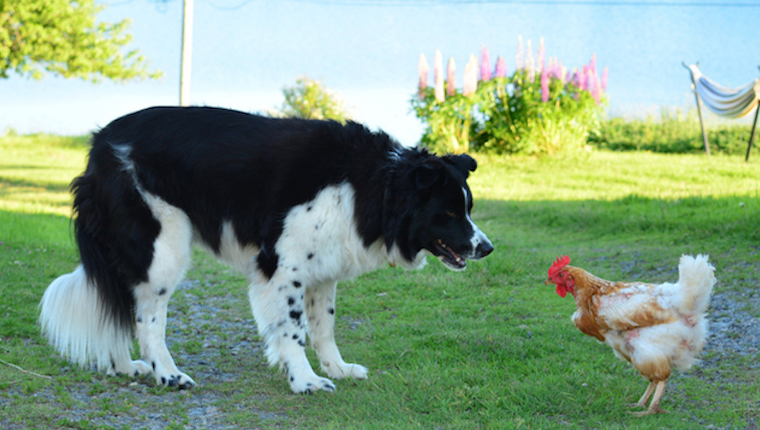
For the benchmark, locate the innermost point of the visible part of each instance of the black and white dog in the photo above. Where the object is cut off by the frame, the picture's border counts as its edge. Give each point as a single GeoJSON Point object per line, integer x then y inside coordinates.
{"type": "Point", "coordinates": [296, 205]}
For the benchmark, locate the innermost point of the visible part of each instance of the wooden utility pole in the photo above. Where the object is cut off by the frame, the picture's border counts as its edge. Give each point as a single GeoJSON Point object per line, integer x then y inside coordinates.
{"type": "Point", "coordinates": [187, 53]}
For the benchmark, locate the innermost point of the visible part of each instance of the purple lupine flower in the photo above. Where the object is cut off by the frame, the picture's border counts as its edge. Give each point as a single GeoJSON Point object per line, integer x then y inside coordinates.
{"type": "Point", "coordinates": [530, 65]}
{"type": "Point", "coordinates": [596, 88]}
{"type": "Point", "coordinates": [470, 76]}
{"type": "Point", "coordinates": [438, 69]}
{"type": "Point", "coordinates": [576, 79]}
{"type": "Point", "coordinates": [451, 83]}
{"type": "Point", "coordinates": [519, 65]}
{"type": "Point", "coordinates": [544, 86]}
{"type": "Point", "coordinates": [485, 64]}
{"type": "Point", "coordinates": [592, 80]}
{"type": "Point", "coordinates": [604, 79]}
{"type": "Point", "coordinates": [583, 79]}
{"type": "Point", "coordinates": [541, 56]}
{"type": "Point", "coordinates": [501, 68]}
{"type": "Point", "coordinates": [551, 67]}
{"type": "Point", "coordinates": [422, 74]}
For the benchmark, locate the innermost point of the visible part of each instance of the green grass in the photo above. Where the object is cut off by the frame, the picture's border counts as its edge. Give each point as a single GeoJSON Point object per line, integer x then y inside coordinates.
{"type": "Point", "coordinates": [491, 347]}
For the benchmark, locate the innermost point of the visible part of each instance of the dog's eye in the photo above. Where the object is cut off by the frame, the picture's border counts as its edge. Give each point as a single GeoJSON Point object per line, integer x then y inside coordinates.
{"type": "Point", "coordinates": [451, 213]}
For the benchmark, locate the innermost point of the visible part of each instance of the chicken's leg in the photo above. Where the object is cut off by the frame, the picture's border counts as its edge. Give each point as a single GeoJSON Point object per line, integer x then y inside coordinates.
{"type": "Point", "coordinates": [642, 403]}
{"type": "Point", "coordinates": [654, 407]}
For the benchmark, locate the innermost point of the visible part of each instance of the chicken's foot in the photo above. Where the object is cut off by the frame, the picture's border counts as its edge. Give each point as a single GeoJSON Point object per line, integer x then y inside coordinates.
{"type": "Point", "coordinates": [654, 407]}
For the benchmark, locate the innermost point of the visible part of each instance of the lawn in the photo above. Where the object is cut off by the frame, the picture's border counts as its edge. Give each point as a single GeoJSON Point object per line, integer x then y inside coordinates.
{"type": "Point", "coordinates": [491, 347]}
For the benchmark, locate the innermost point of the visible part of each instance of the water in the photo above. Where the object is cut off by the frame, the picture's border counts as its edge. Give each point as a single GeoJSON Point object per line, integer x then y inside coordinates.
{"type": "Point", "coordinates": [245, 52]}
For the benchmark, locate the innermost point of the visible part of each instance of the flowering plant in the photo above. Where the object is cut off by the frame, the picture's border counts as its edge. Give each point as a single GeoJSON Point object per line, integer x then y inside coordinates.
{"type": "Point", "coordinates": [539, 109]}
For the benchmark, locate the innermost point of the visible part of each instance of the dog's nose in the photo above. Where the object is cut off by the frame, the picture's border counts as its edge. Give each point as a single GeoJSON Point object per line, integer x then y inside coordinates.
{"type": "Point", "coordinates": [484, 248]}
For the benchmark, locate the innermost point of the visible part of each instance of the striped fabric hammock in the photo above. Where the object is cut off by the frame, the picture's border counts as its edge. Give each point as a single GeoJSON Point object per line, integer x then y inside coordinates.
{"type": "Point", "coordinates": [727, 102]}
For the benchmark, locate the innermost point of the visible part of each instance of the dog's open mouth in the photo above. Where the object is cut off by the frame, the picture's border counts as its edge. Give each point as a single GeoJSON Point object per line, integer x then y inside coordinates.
{"type": "Point", "coordinates": [448, 256]}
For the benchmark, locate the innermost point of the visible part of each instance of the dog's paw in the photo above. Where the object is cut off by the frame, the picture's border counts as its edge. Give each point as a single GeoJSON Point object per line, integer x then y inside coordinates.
{"type": "Point", "coordinates": [345, 370]}
{"type": "Point", "coordinates": [176, 380]}
{"type": "Point", "coordinates": [131, 368]}
{"type": "Point", "coordinates": [311, 384]}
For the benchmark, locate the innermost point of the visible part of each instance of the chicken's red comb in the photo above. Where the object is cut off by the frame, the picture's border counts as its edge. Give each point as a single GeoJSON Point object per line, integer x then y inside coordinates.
{"type": "Point", "coordinates": [559, 263]}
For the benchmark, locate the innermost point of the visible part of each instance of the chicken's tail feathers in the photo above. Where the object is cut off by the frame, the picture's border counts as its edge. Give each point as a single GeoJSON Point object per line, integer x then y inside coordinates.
{"type": "Point", "coordinates": [697, 278]}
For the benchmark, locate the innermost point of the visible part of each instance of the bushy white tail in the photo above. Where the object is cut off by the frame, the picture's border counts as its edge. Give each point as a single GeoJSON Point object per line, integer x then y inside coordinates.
{"type": "Point", "coordinates": [73, 318]}
{"type": "Point", "coordinates": [697, 278]}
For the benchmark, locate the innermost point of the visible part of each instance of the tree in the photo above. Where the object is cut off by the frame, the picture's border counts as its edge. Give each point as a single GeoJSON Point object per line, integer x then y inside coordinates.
{"type": "Point", "coordinates": [309, 99]}
{"type": "Point", "coordinates": [63, 38]}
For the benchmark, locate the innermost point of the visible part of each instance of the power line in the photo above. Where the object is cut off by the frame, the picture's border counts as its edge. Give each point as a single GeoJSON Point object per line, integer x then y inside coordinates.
{"type": "Point", "coordinates": [239, 5]}
{"type": "Point", "coordinates": [606, 3]}
{"type": "Point", "coordinates": [529, 2]}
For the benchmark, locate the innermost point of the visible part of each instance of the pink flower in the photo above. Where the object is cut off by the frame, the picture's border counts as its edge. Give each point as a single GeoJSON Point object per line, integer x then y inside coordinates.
{"type": "Point", "coordinates": [544, 86]}
{"type": "Point", "coordinates": [530, 65]}
{"type": "Point", "coordinates": [451, 87]}
{"type": "Point", "coordinates": [438, 69]}
{"type": "Point", "coordinates": [541, 56]}
{"type": "Point", "coordinates": [552, 67]}
{"type": "Point", "coordinates": [422, 73]}
{"type": "Point", "coordinates": [604, 79]}
{"type": "Point", "coordinates": [583, 78]}
{"type": "Point", "coordinates": [519, 56]}
{"type": "Point", "coordinates": [592, 63]}
{"type": "Point", "coordinates": [501, 68]}
{"type": "Point", "coordinates": [596, 91]}
{"type": "Point", "coordinates": [470, 76]}
{"type": "Point", "coordinates": [485, 64]}
{"type": "Point", "coordinates": [576, 79]}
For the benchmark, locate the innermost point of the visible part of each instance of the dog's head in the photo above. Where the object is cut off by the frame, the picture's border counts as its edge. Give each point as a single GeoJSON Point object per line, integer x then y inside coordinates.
{"type": "Point", "coordinates": [429, 210]}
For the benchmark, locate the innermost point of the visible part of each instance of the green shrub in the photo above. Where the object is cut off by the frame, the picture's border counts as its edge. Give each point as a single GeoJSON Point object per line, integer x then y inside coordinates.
{"type": "Point", "coordinates": [537, 110]}
{"type": "Point", "coordinates": [309, 99]}
{"type": "Point", "coordinates": [674, 132]}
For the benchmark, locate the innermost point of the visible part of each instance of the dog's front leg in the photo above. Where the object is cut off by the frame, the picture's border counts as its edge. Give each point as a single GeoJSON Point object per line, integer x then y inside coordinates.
{"type": "Point", "coordinates": [320, 311]}
{"type": "Point", "coordinates": [278, 308]}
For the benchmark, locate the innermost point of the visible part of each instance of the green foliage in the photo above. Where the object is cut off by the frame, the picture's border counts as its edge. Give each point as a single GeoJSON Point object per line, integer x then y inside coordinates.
{"type": "Point", "coordinates": [309, 99]}
{"type": "Point", "coordinates": [674, 132]}
{"type": "Point", "coordinates": [506, 115]}
{"type": "Point", "coordinates": [63, 37]}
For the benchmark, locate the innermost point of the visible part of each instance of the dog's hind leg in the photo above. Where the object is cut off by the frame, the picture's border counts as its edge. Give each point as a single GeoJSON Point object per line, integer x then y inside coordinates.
{"type": "Point", "coordinates": [278, 306]}
{"type": "Point", "coordinates": [171, 258]}
{"type": "Point", "coordinates": [320, 311]}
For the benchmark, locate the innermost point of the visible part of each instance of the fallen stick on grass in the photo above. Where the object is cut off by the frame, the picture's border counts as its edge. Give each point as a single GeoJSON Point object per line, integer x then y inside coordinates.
{"type": "Point", "coordinates": [25, 371]}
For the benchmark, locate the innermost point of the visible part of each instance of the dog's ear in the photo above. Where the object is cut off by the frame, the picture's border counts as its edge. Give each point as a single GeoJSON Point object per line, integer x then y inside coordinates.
{"type": "Point", "coordinates": [463, 163]}
{"type": "Point", "coordinates": [424, 175]}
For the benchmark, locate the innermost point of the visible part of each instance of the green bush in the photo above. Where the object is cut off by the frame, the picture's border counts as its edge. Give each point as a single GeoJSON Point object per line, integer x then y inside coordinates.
{"type": "Point", "coordinates": [515, 119]}
{"type": "Point", "coordinates": [674, 132]}
{"type": "Point", "coordinates": [310, 100]}
{"type": "Point", "coordinates": [537, 110]}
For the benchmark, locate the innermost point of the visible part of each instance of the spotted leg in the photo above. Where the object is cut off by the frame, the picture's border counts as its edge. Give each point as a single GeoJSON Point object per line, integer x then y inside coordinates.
{"type": "Point", "coordinates": [171, 258]}
{"type": "Point", "coordinates": [278, 306]}
{"type": "Point", "coordinates": [151, 308]}
{"type": "Point", "coordinates": [320, 311]}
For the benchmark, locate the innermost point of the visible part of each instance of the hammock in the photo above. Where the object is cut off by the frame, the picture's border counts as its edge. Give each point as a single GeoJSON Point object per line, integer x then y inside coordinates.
{"type": "Point", "coordinates": [727, 102]}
